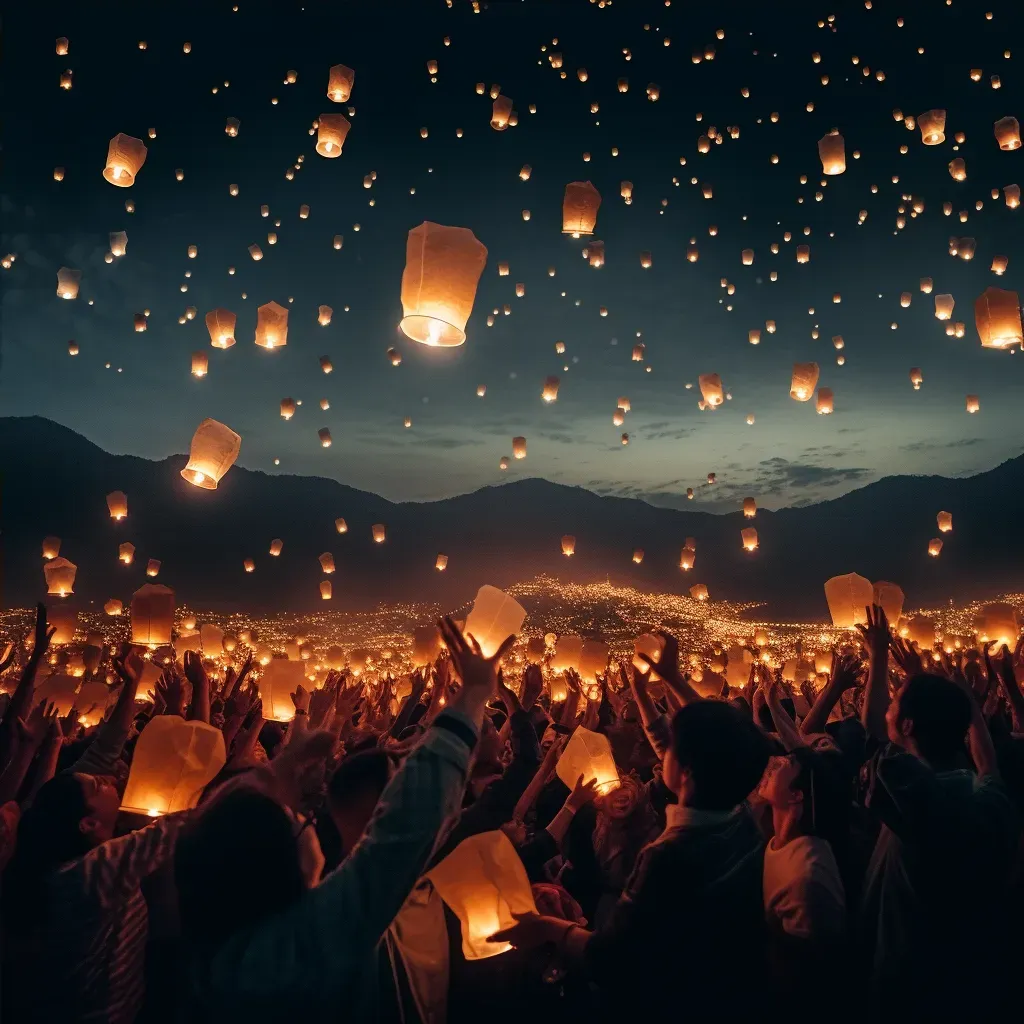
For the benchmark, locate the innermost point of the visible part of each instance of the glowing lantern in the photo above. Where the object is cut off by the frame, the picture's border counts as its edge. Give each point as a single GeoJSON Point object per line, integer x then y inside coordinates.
{"type": "Point", "coordinates": [200, 364]}
{"type": "Point", "coordinates": [341, 526]}
{"type": "Point", "coordinates": [550, 390]}
{"type": "Point", "coordinates": [441, 563]}
{"type": "Point", "coordinates": [65, 623]}
{"type": "Point", "coordinates": [687, 558]}
{"type": "Point", "coordinates": [271, 326]}
{"type": "Point", "coordinates": [973, 405]}
{"type": "Point", "coordinates": [920, 630]}
{"type": "Point", "coordinates": [379, 532]}
{"type": "Point", "coordinates": [804, 381]}
{"type": "Point", "coordinates": [331, 132]}
{"type": "Point", "coordinates": [519, 447]}
{"type": "Point", "coordinates": [221, 325]}
{"type": "Point", "coordinates": [125, 157]}
{"type": "Point", "coordinates": [501, 110]}
{"type": "Point", "coordinates": [493, 617]}
{"type": "Point", "coordinates": [650, 644]}
{"type": "Point", "coordinates": [997, 316]}
{"type": "Point", "coordinates": [933, 127]}
{"type": "Point", "coordinates": [1012, 196]}
{"type": "Point", "coordinates": [825, 401]}
{"type": "Point", "coordinates": [118, 242]}
{"type": "Point", "coordinates": [58, 690]}
{"type": "Point", "coordinates": [326, 590]}
{"type": "Point", "coordinates": [287, 408]}
{"type": "Point", "coordinates": [580, 204]}
{"type": "Point", "coordinates": [749, 537]}
{"type": "Point", "coordinates": [503, 462]}
{"type": "Point", "coordinates": [803, 254]}
{"type": "Point", "coordinates": [890, 597]}
{"type": "Point", "coordinates": [442, 269]}
{"type": "Point", "coordinates": [51, 547]}
{"type": "Point", "coordinates": [60, 576]}
{"type": "Point", "coordinates": [711, 389]}
{"type": "Point", "coordinates": [255, 252]}
{"type": "Point", "coordinates": [214, 450]}
{"type": "Point", "coordinates": [593, 659]}
{"type": "Point", "coordinates": [754, 336]}
{"type": "Point", "coordinates": [934, 547]}
{"type": "Point", "coordinates": [484, 883]}
{"type": "Point", "coordinates": [152, 613]}
{"type": "Point", "coordinates": [638, 352]}
{"type": "Point", "coordinates": [68, 281]}
{"type": "Point", "coordinates": [62, 46]}
{"type": "Point", "coordinates": [832, 151]}
{"type": "Point", "coordinates": [324, 434]}
{"type": "Point", "coordinates": [326, 562]}
{"type": "Point", "coordinates": [638, 555]}
{"type": "Point", "coordinates": [568, 545]}
{"type": "Point", "coordinates": [945, 522]}
{"type": "Point", "coordinates": [153, 567]}
{"type": "Point", "coordinates": [999, 265]}
{"type": "Point", "coordinates": [113, 606]}
{"type": "Point", "coordinates": [997, 623]}
{"type": "Point", "coordinates": [117, 504]}
{"type": "Point", "coordinates": [339, 83]}
{"type": "Point", "coordinates": [958, 169]}
{"type": "Point", "coordinates": [848, 599]}
{"type": "Point", "coordinates": [1007, 133]}
{"type": "Point", "coordinates": [749, 508]}
{"type": "Point", "coordinates": [645, 260]}
{"type": "Point", "coordinates": [944, 306]}
{"type": "Point", "coordinates": [622, 84]}
{"type": "Point", "coordinates": [747, 257]}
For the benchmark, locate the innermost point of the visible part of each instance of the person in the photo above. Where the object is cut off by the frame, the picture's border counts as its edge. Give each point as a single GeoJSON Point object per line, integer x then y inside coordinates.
{"type": "Point", "coordinates": [692, 909]}
{"type": "Point", "coordinates": [290, 950]}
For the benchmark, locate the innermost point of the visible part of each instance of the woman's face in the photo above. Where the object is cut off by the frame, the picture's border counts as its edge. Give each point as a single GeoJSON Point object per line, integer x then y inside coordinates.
{"type": "Point", "coordinates": [778, 784]}
{"type": "Point", "coordinates": [102, 802]}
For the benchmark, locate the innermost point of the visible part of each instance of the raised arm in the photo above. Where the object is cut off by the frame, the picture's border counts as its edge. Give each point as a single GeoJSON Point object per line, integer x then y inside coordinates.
{"type": "Point", "coordinates": [845, 675]}
{"type": "Point", "coordinates": [667, 666]}
{"type": "Point", "coordinates": [876, 639]}
{"type": "Point", "coordinates": [21, 700]}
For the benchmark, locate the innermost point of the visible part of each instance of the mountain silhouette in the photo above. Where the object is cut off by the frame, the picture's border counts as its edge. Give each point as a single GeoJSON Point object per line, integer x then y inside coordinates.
{"type": "Point", "coordinates": [55, 482]}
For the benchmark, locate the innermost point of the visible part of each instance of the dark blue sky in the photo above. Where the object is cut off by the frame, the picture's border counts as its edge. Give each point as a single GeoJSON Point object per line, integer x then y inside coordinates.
{"type": "Point", "coordinates": [147, 403]}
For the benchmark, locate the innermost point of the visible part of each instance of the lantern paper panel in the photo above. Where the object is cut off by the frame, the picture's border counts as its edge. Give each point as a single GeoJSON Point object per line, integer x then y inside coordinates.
{"type": "Point", "coordinates": [340, 80]}
{"type": "Point", "coordinates": [332, 130]}
{"type": "Point", "coordinates": [215, 447]}
{"type": "Point", "coordinates": [221, 325]}
{"type": "Point", "coordinates": [125, 157]}
{"type": "Point", "coordinates": [998, 623]}
{"type": "Point", "coordinates": [117, 504]}
{"type": "Point", "coordinates": [804, 381]}
{"type": "Point", "coordinates": [60, 576]}
{"type": "Point", "coordinates": [997, 317]}
{"type": "Point", "coordinates": [593, 659]}
{"type": "Point", "coordinates": [580, 204]}
{"type": "Point", "coordinates": [59, 690]}
{"type": "Point", "coordinates": [890, 597]}
{"type": "Point", "coordinates": [278, 681]}
{"type": "Point", "coordinates": [152, 614]}
{"type": "Point", "coordinates": [567, 654]}
{"type": "Point", "coordinates": [848, 599]}
{"type": "Point", "coordinates": [426, 644]}
{"type": "Point", "coordinates": [272, 326]}
{"type": "Point", "coordinates": [588, 754]}
{"type": "Point", "coordinates": [494, 617]}
{"type": "Point", "coordinates": [64, 621]}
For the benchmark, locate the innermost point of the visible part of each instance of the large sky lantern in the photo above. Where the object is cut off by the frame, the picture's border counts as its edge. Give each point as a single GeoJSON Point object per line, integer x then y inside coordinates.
{"type": "Point", "coordinates": [944, 305]}
{"type": "Point", "coordinates": [331, 132]}
{"type": "Point", "coordinates": [973, 403]}
{"type": "Point", "coordinates": [59, 690]}
{"type": "Point", "coordinates": [379, 533]}
{"type": "Point", "coordinates": [327, 562]}
{"type": "Point", "coordinates": [484, 884]}
{"type": "Point", "coordinates": [211, 637]}
{"type": "Point", "coordinates": [340, 80]}
{"type": "Point", "coordinates": [173, 762]}
{"type": "Point", "coordinates": [68, 282]}
{"type": "Point", "coordinates": [848, 598]}
{"type": "Point", "coordinates": [215, 446]}
{"type": "Point", "coordinates": [1007, 132]}
{"type": "Point", "coordinates": [51, 547]}
{"type": "Point", "coordinates": [125, 157]}
{"type": "Point", "coordinates": [832, 151]}
{"type": "Point", "coordinates": [493, 617]}
{"type": "Point", "coordinates": [803, 382]}
{"type": "Point", "coordinates": [272, 325]}
{"type": "Point", "coordinates": [890, 597]}
{"type": "Point", "coordinates": [326, 590]}
{"type": "Point", "coordinates": [919, 630]}
{"type": "Point", "coordinates": [568, 545]}
{"type": "Point", "coordinates": [519, 447]}
{"type": "Point", "coordinates": [126, 552]}
{"type": "Point", "coordinates": [442, 269]}
{"type": "Point", "coordinates": [113, 606]}
{"type": "Point", "coordinates": [580, 204]}
{"type": "Point", "coordinates": [117, 505]}
{"type": "Point", "coordinates": [997, 623]}
{"type": "Point", "coordinates": [748, 537]}
{"type": "Point", "coordinates": [594, 656]}
{"type": "Point", "coordinates": [64, 619]}
{"type": "Point", "coordinates": [935, 547]}
{"type": "Point", "coordinates": [536, 650]}
{"type": "Point", "coordinates": [749, 508]}
{"type": "Point", "coordinates": [588, 754]}
{"type": "Point", "coordinates": [276, 546]}
{"type": "Point", "coordinates": [711, 389]}
{"type": "Point", "coordinates": [221, 325]}
{"type": "Point", "coordinates": [933, 127]}
{"type": "Point", "coordinates": [825, 403]}
{"type": "Point", "coordinates": [60, 576]}
{"type": "Point", "coordinates": [997, 317]}
{"type": "Point", "coordinates": [699, 592]}
{"type": "Point", "coordinates": [152, 615]}
{"type": "Point", "coordinates": [501, 111]}
{"type": "Point", "coordinates": [944, 521]}
{"type": "Point", "coordinates": [567, 654]}
{"type": "Point", "coordinates": [287, 408]}
{"type": "Point", "coordinates": [550, 390]}
{"type": "Point", "coordinates": [686, 559]}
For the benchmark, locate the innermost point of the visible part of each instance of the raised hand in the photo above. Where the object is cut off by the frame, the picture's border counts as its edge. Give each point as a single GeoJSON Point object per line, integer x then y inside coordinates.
{"type": "Point", "coordinates": [905, 656]}
{"type": "Point", "coordinates": [479, 675]}
{"type": "Point", "coordinates": [320, 702]}
{"type": "Point", "coordinates": [875, 633]}
{"type": "Point", "coordinates": [170, 692]}
{"type": "Point", "coordinates": [667, 663]}
{"type": "Point", "coordinates": [533, 686]}
{"type": "Point", "coordinates": [40, 721]}
{"type": "Point", "coordinates": [300, 698]}
{"type": "Point", "coordinates": [846, 671]}
{"type": "Point", "coordinates": [582, 794]}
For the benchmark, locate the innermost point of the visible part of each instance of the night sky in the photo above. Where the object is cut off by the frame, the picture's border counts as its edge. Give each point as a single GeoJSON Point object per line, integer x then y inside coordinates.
{"type": "Point", "coordinates": [147, 403]}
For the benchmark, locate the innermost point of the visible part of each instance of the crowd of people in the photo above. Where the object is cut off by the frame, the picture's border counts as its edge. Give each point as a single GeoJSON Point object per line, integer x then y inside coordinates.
{"type": "Point", "coordinates": [848, 852]}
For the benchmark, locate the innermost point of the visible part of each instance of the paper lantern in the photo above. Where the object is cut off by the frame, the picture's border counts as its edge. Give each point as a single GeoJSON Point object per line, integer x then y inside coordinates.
{"type": "Point", "coordinates": [324, 314]}
{"type": "Point", "coordinates": [113, 606]}
{"type": "Point", "coordinates": [326, 590]}
{"type": "Point", "coordinates": [568, 545]}
{"type": "Point", "coordinates": [997, 317]}
{"type": "Point", "coordinates": [140, 321]}
{"type": "Point", "coordinates": [200, 364]}
{"type": "Point", "coordinates": [59, 690]}
{"type": "Point", "coordinates": [749, 538]}
{"type": "Point", "coordinates": [588, 754]}
{"type": "Point", "coordinates": [535, 650]}
{"type": "Point", "coordinates": [152, 614]}
{"type": "Point", "coordinates": [339, 83]}
{"type": "Point", "coordinates": [231, 127]}
{"type": "Point", "coordinates": [935, 547]}
{"type": "Point", "coordinates": [749, 508]}
{"type": "Point", "coordinates": [426, 644]}
{"type": "Point", "coordinates": [711, 389]}
{"type": "Point", "coordinates": [173, 762]}
{"type": "Point", "coordinates": [221, 325]}
{"type": "Point", "coordinates": [503, 462]}
{"type": "Point", "coordinates": [125, 157]}
{"type": "Point", "coordinates": [825, 402]}
{"type": "Point", "coordinates": [493, 617]}
{"type": "Point", "coordinates": [933, 127]}
{"type": "Point", "coordinates": [593, 659]}
{"type": "Point", "coordinates": [804, 381]}
{"type": "Point", "coordinates": [747, 257]}
{"type": "Point", "coordinates": [442, 268]}
{"type": "Point", "coordinates": [754, 336]}
{"type": "Point", "coordinates": [212, 639]}
{"type": "Point", "coordinates": [638, 555]}
{"type": "Point", "coordinates": [117, 504]}
{"type": "Point", "coordinates": [848, 598]}
{"type": "Point", "coordinates": [945, 522]}
{"type": "Point", "coordinates": [271, 326]}
{"type": "Point", "coordinates": [327, 562]}
{"type": "Point", "coordinates": [973, 404]}
{"type": "Point", "coordinates": [68, 281]}
{"type": "Point", "coordinates": [567, 654]}
{"type": "Point", "coordinates": [126, 553]}
{"type": "Point", "coordinates": [595, 254]}
{"type": "Point", "coordinates": [920, 630]}
{"type": "Point", "coordinates": [803, 254]}
{"type": "Point", "coordinates": [65, 623]}
{"type": "Point", "coordinates": [999, 265]}
{"type": "Point", "coordinates": [276, 546]}
{"type": "Point", "coordinates": [51, 547]}
{"type": "Point", "coordinates": [890, 597]}
{"type": "Point", "coordinates": [60, 576]}
{"type": "Point", "coordinates": [484, 883]}
{"type": "Point", "coordinates": [638, 352]}
{"type": "Point", "coordinates": [580, 204]}
{"type": "Point", "coordinates": [1007, 133]}
{"type": "Point", "coordinates": [62, 46]}
{"type": "Point", "coordinates": [958, 169]}
{"type": "Point", "coordinates": [501, 110]}
{"type": "Point", "coordinates": [832, 151]}
{"type": "Point", "coordinates": [341, 526]}
{"type": "Point", "coordinates": [1012, 196]}
{"type": "Point", "coordinates": [118, 242]}
{"type": "Point", "coordinates": [324, 434]}
{"type": "Point", "coordinates": [153, 567]}
{"type": "Point", "coordinates": [519, 447]}
{"type": "Point", "coordinates": [646, 260]}
{"type": "Point", "coordinates": [441, 563]}
{"type": "Point", "coordinates": [550, 390]}
{"type": "Point", "coordinates": [687, 558]}
{"type": "Point", "coordinates": [997, 623]}
{"type": "Point", "coordinates": [332, 130]}
{"type": "Point", "coordinates": [214, 450]}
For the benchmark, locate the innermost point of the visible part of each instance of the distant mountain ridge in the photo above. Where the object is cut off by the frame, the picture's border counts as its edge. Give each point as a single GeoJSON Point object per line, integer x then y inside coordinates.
{"type": "Point", "coordinates": [55, 482]}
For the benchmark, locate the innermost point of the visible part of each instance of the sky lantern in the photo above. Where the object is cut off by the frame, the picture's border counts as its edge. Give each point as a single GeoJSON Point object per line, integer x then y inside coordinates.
{"type": "Point", "coordinates": [905, 299]}
{"type": "Point", "coordinates": [958, 169]}
{"type": "Point", "coordinates": [379, 532]}
{"type": "Point", "coordinates": [1007, 132]}
{"type": "Point", "coordinates": [501, 110]}
{"type": "Point", "coordinates": [933, 127]}
{"type": "Point", "coordinates": [711, 389]}
{"type": "Point", "coordinates": [926, 285]}
{"type": "Point", "coordinates": [944, 306]}
{"type": "Point", "coordinates": [215, 447]}
{"type": "Point", "coordinates": [62, 46]}
{"type": "Point", "coordinates": [51, 547]}
{"type": "Point", "coordinates": [125, 157]}
{"type": "Point", "coordinates": [200, 364]}
{"type": "Point", "coordinates": [804, 381]}
{"type": "Point", "coordinates": [973, 404]}
{"type": "Point", "coordinates": [749, 538]}
{"type": "Point", "coordinates": [255, 252]}
{"type": "Point", "coordinates": [331, 132]}
{"type": "Point", "coordinates": [568, 545]}
{"type": "Point", "coordinates": [622, 84]}
{"type": "Point", "coordinates": [287, 408]}
{"type": "Point", "coordinates": [999, 265]}
{"type": "Point", "coordinates": [68, 281]}
{"type": "Point", "coordinates": [126, 553]}
{"type": "Point", "coordinates": [277, 682]}
{"type": "Point", "coordinates": [825, 401]}
{"type": "Point", "coordinates": [638, 352]}
{"type": "Point", "coordinates": [945, 522]}
{"type": "Point", "coordinates": [550, 390]}
{"type": "Point", "coordinates": [113, 606]}
{"type": "Point", "coordinates": [152, 615]}
{"type": "Point", "coordinates": [754, 336]}
{"type": "Point", "coordinates": [231, 127]}
{"type": "Point", "coordinates": [153, 567]}
{"type": "Point", "coordinates": [919, 630]}
{"type": "Point", "coordinates": [747, 257]}
{"type": "Point", "coordinates": [749, 508]}
{"type": "Point", "coordinates": [442, 269]}
{"type": "Point", "coordinates": [916, 377]}
{"type": "Point", "coordinates": [484, 883]}
{"type": "Point", "coordinates": [272, 326]}
{"type": "Point", "coordinates": [221, 325]}
{"type": "Point", "coordinates": [594, 656]}
{"type": "Point", "coordinates": [326, 562]}
{"type": "Point", "coordinates": [997, 317]}
{"type": "Point", "coordinates": [326, 590]}
{"type": "Point", "coordinates": [638, 555]}
{"type": "Point", "coordinates": [493, 617]}
{"type": "Point", "coordinates": [60, 576]}
{"type": "Point", "coordinates": [276, 546]}
{"type": "Point", "coordinates": [580, 204]}
{"type": "Point", "coordinates": [832, 151]}
{"type": "Point", "coordinates": [519, 447]}
{"type": "Point", "coordinates": [59, 690]}
{"type": "Point", "coordinates": [848, 598]}
{"type": "Point", "coordinates": [687, 558]}
{"type": "Point", "coordinates": [646, 260]}
{"type": "Point", "coordinates": [1012, 196]}
{"type": "Point", "coordinates": [997, 624]}
{"type": "Point", "coordinates": [588, 754]}
{"type": "Point", "coordinates": [117, 505]}
{"type": "Point", "coordinates": [340, 525]}
{"type": "Point", "coordinates": [803, 254]}
{"type": "Point", "coordinates": [339, 83]}
{"type": "Point", "coordinates": [699, 592]}
{"type": "Point", "coordinates": [118, 242]}
{"type": "Point", "coordinates": [441, 563]}
{"type": "Point", "coordinates": [324, 434]}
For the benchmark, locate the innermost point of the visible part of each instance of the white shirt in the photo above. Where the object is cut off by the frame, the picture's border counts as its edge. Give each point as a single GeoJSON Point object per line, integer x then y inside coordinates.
{"type": "Point", "coordinates": [803, 891]}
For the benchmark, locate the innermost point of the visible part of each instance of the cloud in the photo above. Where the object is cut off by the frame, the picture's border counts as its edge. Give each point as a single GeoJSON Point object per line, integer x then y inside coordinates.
{"type": "Point", "coordinates": [934, 446]}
